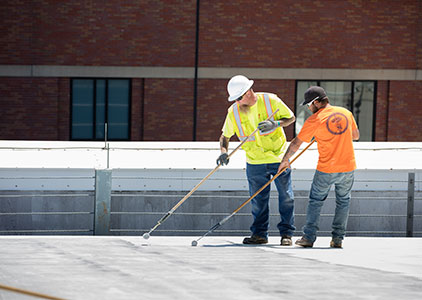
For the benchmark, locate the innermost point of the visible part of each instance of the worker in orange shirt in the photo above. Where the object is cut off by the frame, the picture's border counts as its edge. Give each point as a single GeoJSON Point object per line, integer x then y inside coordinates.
{"type": "Point", "coordinates": [334, 130]}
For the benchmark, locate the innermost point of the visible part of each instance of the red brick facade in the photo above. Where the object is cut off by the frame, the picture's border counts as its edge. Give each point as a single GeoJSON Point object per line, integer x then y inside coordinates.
{"type": "Point", "coordinates": [381, 125]}
{"type": "Point", "coordinates": [405, 111]}
{"type": "Point", "coordinates": [34, 108]}
{"type": "Point", "coordinates": [169, 110]}
{"type": "Point", "coordinates": [353, 34]}
{"type": "Point", "coordinates": [95, 33]}
{"type": "Point", "coordinates": [311, 34]}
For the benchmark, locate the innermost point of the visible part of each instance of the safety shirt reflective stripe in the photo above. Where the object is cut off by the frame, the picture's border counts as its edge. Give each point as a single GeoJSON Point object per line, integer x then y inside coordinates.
{"type": "Point", "coordinates": [236, 113]}
{"type": "Point", "coordinates": [269, 109]}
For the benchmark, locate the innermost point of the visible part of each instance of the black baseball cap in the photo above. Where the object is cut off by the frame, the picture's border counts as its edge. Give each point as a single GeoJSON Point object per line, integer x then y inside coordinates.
{"type": "Point", "coordinates": [314, 93]}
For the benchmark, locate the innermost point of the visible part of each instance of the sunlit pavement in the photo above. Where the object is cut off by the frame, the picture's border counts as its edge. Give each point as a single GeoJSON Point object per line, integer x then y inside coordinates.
{"type": "Point", "coordinates": [76, 267]}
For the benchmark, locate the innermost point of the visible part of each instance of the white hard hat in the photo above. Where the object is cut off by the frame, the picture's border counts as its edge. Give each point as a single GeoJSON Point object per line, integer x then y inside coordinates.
{"type": "Point", "coordinates": [237, 86]}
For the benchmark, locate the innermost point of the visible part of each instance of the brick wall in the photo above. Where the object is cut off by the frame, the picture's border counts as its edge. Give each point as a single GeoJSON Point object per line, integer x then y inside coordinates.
{"type": "Point", "coordinates": [211, 109]}
{"type": "Point", "coordinates": [380, 34]}
{"type": "Point", "coordinates": [137, 110]}
{"type": "Point", "coordinates": [405, 112]}
{"type": "Point", "coordinates": [288, 33]}
{"type": "Point", "coordinates": [168, 110]}
{"type": "Point", "coordinates": [112, 33]}
{"type": "Point", "coordinates": [32, 109]}
{"type": "Point", "coordinates": [63, 109]}
{"type": "Point", "coordinates": [310, 34]}
{"type": "Point", "coordinates": [39, 109]}
{"type": "Point", "coordinates": [382, 111]}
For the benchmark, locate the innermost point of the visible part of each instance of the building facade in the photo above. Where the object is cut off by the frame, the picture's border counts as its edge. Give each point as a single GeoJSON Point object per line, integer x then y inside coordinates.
{"type": "Point", "coordinates": [158, 70]}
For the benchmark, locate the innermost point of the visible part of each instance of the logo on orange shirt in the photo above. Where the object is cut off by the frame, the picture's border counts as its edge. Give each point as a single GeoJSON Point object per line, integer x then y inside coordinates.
{"type": "Point", "coordinates": [337, 123]}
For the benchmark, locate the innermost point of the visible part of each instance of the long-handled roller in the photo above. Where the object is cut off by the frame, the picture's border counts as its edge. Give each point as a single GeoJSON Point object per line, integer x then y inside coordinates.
{"type": "Point", "coordinates": [219, 224]}
{"type": "Point", "coordinates": [171, 211]}
{"type": "Point", "coordinates": [28, 293]}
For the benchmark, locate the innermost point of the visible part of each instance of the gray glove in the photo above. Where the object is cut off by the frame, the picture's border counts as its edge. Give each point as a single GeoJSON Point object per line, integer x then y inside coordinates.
{"type": "Point", "coordinates": [266, 126]}
{"type": "Point", "coordinates": [223, 159]}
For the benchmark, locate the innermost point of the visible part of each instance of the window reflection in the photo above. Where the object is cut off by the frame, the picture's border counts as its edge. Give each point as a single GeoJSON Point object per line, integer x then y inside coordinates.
{"type": "Point", "coordinates": [96, 102]}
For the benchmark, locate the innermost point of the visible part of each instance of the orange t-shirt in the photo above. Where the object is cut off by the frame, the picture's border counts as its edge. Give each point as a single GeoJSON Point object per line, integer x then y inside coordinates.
{"type": "Point", "coordinates": [332, 128]}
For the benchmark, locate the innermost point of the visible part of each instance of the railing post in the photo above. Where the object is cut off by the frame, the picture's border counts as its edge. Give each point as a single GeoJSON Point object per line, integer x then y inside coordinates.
{"type": "Point", "coordinates": [102, 202]}
{"type": "Point", "coordinates": [410, 204]}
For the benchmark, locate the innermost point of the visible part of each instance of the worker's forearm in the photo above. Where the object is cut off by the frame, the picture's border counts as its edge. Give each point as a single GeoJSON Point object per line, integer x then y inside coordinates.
{"type": "Point", "coordinates": [224, 144]}
{"type": "Point", "coordinates": [285, 122]}
{"type": "Point", "coordinates": [293, 147]}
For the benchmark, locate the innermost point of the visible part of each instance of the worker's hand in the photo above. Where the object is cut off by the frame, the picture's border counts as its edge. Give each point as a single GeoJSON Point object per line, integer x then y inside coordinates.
{"type": "Point", "coordinates": [223, 159]}
{"type": "Point", "coordinates": [266, 126]}
{"type": "Point", "coordinates": [283, 164]}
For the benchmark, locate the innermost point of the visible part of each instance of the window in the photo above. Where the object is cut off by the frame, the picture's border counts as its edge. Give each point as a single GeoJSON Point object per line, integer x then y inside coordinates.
{"type": "Point", "coordinates": [96, 102]}
{"type": "Point", "coordinates": [356, 96]}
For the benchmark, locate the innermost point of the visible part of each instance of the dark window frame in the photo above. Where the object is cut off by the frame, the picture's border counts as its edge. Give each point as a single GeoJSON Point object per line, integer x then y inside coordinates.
{"type": "Point", "coordinates": [105, 108]}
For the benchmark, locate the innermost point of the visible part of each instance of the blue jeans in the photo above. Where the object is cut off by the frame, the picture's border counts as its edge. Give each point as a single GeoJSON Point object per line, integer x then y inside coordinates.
{"type": "Point", "coordinates": [321, 185]}
{"type": "Point", "coordinates": [258, 176]}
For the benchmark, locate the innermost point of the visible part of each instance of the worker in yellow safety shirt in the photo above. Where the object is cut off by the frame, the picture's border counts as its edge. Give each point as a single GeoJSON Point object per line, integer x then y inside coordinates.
{"type": "Point", "coordinates": [264, 151]}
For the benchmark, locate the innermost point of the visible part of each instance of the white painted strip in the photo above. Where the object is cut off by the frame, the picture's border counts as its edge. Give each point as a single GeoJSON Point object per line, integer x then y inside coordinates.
{"type": "Point", "coordinates": [104, 71]}
{"type": "Point", "coordinates": [15, 71]}
{"type": "Point", "coordinates": [313, 74]}
{"type": "Point", "coordinates": [208, 73]}
{"type": "Point", "coordinates": [418, 74]}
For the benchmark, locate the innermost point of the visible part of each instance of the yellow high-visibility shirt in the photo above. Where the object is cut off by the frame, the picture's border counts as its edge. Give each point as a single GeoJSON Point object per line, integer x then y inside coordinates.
{"type": "Point", "coordinates": [265, 148]}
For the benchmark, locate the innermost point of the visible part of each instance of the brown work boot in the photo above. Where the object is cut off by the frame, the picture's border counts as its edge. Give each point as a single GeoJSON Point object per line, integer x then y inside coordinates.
{"type": "Point", "coordinates": [286, 240]}
{"type": "Point", "coordinates": [336, 243]}
{"type": "Point", "coordinates": [255, 239]}
{"type": "Point", "coordinates": [304, 243]}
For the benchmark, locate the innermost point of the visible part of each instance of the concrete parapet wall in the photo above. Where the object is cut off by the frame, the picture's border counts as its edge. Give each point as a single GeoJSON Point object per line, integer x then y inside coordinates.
{"type": "Point", "coordinates": [46, 212]}
{"type": "Point", "coordinates": [53, 188]}
{"type": "Point", "coordinates": [381, 213]}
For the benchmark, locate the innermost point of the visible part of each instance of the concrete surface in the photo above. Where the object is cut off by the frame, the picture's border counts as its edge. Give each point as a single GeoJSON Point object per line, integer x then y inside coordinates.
{"type": "Point", "coordinates": [184, 155]}
{"type": "Point", "coordinates": [75, 267]}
